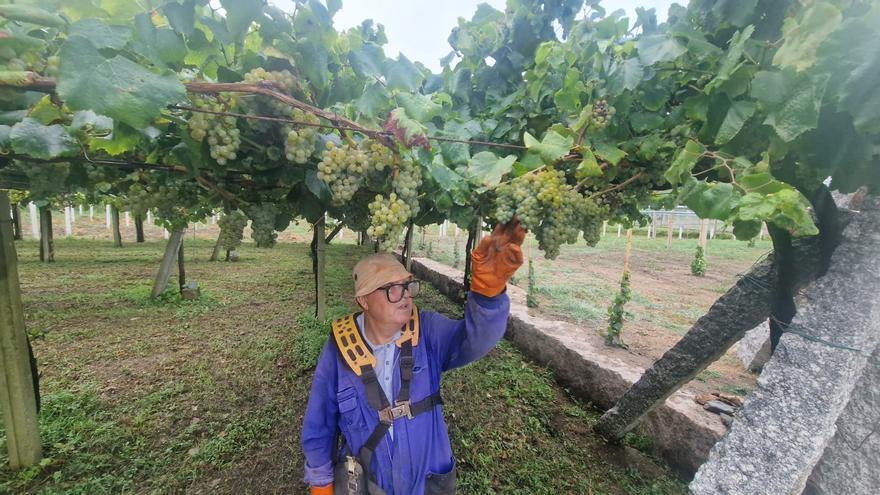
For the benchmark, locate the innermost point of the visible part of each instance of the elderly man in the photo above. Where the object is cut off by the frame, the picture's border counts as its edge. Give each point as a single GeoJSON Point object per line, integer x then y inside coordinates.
{"type": "Point", "coordinates": [377, 383]}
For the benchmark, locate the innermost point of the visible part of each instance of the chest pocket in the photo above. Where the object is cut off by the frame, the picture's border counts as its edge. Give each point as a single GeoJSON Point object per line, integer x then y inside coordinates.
{"type": "Point", "coordinates": [352, 419]}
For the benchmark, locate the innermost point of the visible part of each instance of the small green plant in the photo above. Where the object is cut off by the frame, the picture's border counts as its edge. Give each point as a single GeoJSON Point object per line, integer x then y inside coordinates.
{"type": "Point", "coordinates": [752, 242]}
{"type": "Point", "coordinates": [430, 251]}
{"type": "Point", "coordinates": [456, 255]}
{"type": "Point", "coordinates": [698, 266]}
{"type": "Point", "coordinates": [617, 313]}
{"type": "Point", "coordinates": [532, 296]}
{"type": "Point", "coordinates": [311, 338]}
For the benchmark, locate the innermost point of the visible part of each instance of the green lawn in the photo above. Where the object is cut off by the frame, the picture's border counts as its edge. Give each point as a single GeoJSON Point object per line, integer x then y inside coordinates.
{"type": "Point", "coordinates": [170, 396]}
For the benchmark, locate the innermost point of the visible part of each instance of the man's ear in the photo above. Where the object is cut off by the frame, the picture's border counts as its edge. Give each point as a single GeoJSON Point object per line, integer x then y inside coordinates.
{"type": "Point", "coordinates": [362, 302]}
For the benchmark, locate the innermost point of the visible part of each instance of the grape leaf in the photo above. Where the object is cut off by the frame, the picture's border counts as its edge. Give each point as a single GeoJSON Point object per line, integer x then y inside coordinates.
{"type": "Point", "coordinates": [101, 35]}
{"type": "Point", "coordinates": [800, 110]}
{"type": "Point", "coordinates": [710, 200]}
{"type": "Point", "coordinates": [31, 14]}
{"type": "Point", "coordinates": [181, 16]}
{"type": "Point", "coordinates": [375, 100]}
{"type": "Point", "coordinates": [402, 74]}
{"type": "Point", "coordinates": [684, 162]}
{"type": "Point", "coordinates": [240, 14]}
{"type": "Point", "coordinates": [317, 186]}
{"type": "Point", "coordinates": [367, 60]}
{"type": "Point", "coordinates": [411, 133]}
{"type": "Point", "coordinates": [588, 167]}
{"type": "Point", "coordinates": [608, 152]}
{"type": "Point", "coordinates": [420, 107]}
{"type": "Point", "coordinates": [658, 48]}
{"type": "Point", "coordinates": [31, 138]}
{"type": "Point", "coordinates": [553, 147]}
{"type": "Point", "coordinates": [737, 115]}
{"type": "Point", "coordinates": [116, 87]}
{"type": "Point", "coordinates": [802, 38]}
{"type": "Point", "coordinates": [487, 169]}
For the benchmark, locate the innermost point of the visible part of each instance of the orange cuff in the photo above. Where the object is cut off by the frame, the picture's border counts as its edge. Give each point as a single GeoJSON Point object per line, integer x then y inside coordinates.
{"type": "Point", "coordinates": [322, 490]}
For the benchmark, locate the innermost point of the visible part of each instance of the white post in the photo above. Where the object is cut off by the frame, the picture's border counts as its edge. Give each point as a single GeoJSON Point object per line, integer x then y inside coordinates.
{"type": "Point", "coordinates": [604, 227]}
{"type": "Point", "coordinates": [680, 232]}
{"type": "Point", "coordinates": [68, 221]}
{"type": "Point", "coordinates": [72, 214]}
{"type": "Point", "coordinates": [166, 233]}
{"type": "Point", "coordinates": [455, 234]}
{"type": "Point", "coordinates": [213, 219]}
{"type": "Point", "coordinates": [341, 231]}
{"type": "Point", "coordinates": [712, 232]}
{"type": "Point", "coordinates": [35, 220]}
{"type": "Point", "coordinates": [127, 220]}
{"type": "Point", "coordinates": [80, 210]}
{"type": "Point", "coordinates": [91, 212]}
{"type": "Point", "coordinates": [618, 230]}
{"type": "Point", "coordinates": [149, 217]}
{"type": "Point", "coordinates": [107, 217]}
{"type": "Point", "coordinates": [649, 230]}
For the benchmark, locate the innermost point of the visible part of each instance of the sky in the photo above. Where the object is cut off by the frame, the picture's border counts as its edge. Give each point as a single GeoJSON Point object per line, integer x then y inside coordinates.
{"type": "Point", "coordinates": [419, 28]}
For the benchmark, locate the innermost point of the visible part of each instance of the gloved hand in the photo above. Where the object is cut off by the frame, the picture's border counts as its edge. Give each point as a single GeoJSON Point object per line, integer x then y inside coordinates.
{"type": "Point", "coordinates": [322, 490]}
{"type": "Point", "coordinates": [497, 258]}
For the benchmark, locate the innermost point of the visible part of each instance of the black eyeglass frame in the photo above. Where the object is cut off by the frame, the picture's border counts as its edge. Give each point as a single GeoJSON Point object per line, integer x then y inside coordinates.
{"type": "Point", "coordinates": [407, 287]}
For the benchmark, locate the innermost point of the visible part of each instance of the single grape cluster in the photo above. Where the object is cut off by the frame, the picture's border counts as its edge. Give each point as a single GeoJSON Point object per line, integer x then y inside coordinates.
{"type": "Point", "coordinates": [388, 217]}
{"type": "Point", "coordinates": [263, 224]}
{"type": "Point", "coordinates": [283, 78]}
{"type": "Point", "coordinates": [138, 200]}
{"type": "Point", "coordinates": [548, 207]}
{"type": "Point", "coordinates": [221, 132]}
{"type": "Point", "coordinates": [602, 113]}
{"type": "Point", "coordinates": [232, 227]}
{"type": "Point", "coordinates": [46, 179]}
{"type": "Point", "coordinates": [299, 144]}
{"type": "Point", "coordinates": [407, 182]}
{"type": "Point", "coordinates": [346, 168]}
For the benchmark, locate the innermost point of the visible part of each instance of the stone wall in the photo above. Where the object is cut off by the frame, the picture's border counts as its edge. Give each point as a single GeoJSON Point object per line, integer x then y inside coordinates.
{"type": "Point", "coordinates": [808, 389]}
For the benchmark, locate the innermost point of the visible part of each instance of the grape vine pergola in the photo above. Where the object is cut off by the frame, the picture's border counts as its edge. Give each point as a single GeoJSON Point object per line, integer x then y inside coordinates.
{"type": "Point", "coordinates": [559, 111]}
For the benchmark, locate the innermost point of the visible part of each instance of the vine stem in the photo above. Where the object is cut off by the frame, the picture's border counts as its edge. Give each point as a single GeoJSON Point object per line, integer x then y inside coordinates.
{"type": "Point", "coordinates": [33, 81]}
{"type": "Point", "coordinates": [618, 186]}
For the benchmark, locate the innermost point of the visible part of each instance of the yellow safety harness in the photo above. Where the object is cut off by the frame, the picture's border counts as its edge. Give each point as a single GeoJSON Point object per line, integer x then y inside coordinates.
{"type": "Point", "coordinates": [359, 358]}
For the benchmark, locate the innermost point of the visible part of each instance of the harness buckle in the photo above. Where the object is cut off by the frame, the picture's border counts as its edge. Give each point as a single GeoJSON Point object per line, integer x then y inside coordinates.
{"type": "Point", "coordinates": [355, 474]}
{"type": "Point", "coordinates": [397, 411]}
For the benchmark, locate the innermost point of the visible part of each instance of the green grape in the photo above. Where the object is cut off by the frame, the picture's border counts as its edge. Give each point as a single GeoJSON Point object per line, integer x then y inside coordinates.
{"type": "Point", "coordinates": [388, 217]}
{"type": "Point", "coordinates": [219, 130]}
{"type": "Point", "coordinates": [46, 179]}
{"type": "Point", "coordinates": [300, 143]}
{"type": "Point", "coordinates": [232, 229]}
{"type": "Point", "coordinates": [263, 224]}
{"type": "Point", "coordinates": [550, 208]}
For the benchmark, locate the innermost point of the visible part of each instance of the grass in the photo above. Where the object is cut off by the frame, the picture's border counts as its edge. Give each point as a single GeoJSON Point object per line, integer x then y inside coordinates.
{"type": "Point", "coordinates": [173, 396]}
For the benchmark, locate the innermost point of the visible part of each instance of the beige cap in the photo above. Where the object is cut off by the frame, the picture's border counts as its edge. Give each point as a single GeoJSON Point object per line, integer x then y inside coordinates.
{"type": "Point", "coordinates": [376, 270]}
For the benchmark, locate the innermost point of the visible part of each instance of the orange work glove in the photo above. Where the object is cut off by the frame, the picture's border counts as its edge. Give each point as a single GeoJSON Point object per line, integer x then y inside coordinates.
{"type": "Point", "coordinates": [497, 258]}
{"type": "Point", "coordinates": [322, 490]}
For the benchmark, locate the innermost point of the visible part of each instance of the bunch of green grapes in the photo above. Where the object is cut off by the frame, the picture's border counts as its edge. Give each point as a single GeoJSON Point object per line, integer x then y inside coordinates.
{"type": "Point", "coordinates": [602, 113]}
{"type": "Point", "coordinates": [548, 207]}
{"type": "Point", "coordinates": [283, 78]}
{"type": "Point", "coordinates": [232, 229]}
{"type": "Point", "coordinates": [223, 136]}
{"type": "Point", "coordinates": [346, 168]}
{"type": "Point", "coordinates": [138, 200]}
{"type": "Point", "coordinates": [46, 179]}
{"type": "Point", "coordinates": [166, 201]}
{"type": "Point", "coordinates": [53, 66]}
{"type": "Point", "coordinates": [263, 224]}
{"type": "Point", "coordinates": [389, 215]}
{"type": "Point", "coordinates": [300, 143]}
{"type": "Point", "coordinates": [407, 183]}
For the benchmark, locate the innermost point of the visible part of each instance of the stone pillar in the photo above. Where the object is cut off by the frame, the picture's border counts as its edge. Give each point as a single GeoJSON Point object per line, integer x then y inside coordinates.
{"type": "Point", "coordinates": [754, 348]}
{"type": "Point", "coordinates": [851, 462]}
{"type": "Point", "coordinates": [785, 425]}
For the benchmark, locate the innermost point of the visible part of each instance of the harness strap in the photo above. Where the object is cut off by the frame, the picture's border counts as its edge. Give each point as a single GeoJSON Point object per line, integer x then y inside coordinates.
{"type": "Point", "coordinates": [369, 447]}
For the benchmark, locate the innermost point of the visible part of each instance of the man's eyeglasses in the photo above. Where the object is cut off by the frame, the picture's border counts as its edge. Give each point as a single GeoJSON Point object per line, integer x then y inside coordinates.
{"type": "Point", "coordinates": [394, 292]}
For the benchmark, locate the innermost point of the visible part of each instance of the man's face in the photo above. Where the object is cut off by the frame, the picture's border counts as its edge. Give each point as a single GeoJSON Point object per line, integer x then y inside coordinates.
{"type": "Point", "coordinates": [377, 306]}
